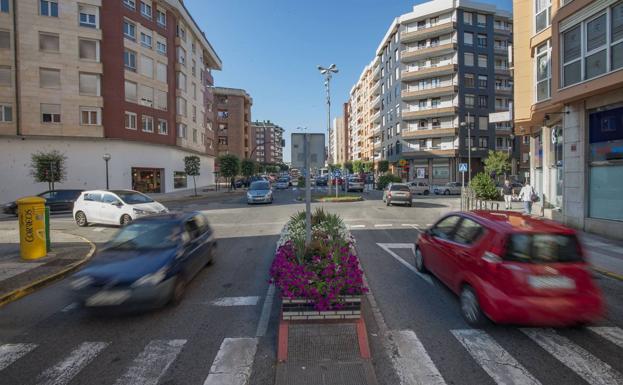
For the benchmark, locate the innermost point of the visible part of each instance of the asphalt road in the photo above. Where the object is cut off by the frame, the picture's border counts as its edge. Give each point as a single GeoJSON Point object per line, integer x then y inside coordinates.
{"type": "Point", "coordinates": [44, 339]}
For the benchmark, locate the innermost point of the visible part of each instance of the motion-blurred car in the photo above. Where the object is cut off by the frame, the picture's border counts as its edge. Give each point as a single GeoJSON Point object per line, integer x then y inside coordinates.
{"type": "Point", "coordinates": [114, 207]}
{"type": "Point", "coordinates": [511, 268]}
{"type": "Point", "coordinates": [322, 181]}
{"type": "Point", "coordinates": [259, 192]}
{"type": "Point", "coordinates": [282, 184]}
{"type": "Point", "coordinates": [450, 188]}
{"type": "Point", "coordinates": [57, 200]}
{"type": "Point", "coordinates": [419, 188]}
{"type": "Point", "coordinates": [147, 263]}
{"type": "Point", "coordinates": [353, 183]}
{"type": "Point", "coordinates": [397, 193]}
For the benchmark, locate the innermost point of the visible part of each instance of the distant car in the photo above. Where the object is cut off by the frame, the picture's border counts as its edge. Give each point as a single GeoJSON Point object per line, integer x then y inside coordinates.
{"type": "Point", "coordinates": [147, 263]}
{"type": "Point", "coordinates": [114, 207]}
{"type": "Point", "coordinates": [353, 183]}
{"type": "Point", "coordinates": [397, 193]}
{"type": "Point", "coordinates": [57, 200]}
{"type": "Point", "coordinates": [419, 188]}
{"type": "Point", "coordinates": [511, 268]}
{"type": "Point", "coordinates": [259, 192]}
{"type": "Point", "coordinates": [282, 184]}
{"type": "Point", "coordinates": [239, 183]}
{"type": "Point", "coordinates": [322, 181]}
{"type": "Point", "coordinates": [450, 188]}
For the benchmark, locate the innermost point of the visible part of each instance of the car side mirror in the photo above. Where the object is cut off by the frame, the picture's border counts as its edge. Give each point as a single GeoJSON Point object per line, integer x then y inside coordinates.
{"type": "Point", "coordinates": [117, 204]}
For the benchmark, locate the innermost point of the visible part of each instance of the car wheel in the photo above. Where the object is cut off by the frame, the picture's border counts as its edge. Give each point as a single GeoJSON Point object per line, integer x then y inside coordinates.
{"type": "Point", "coordinates": [470, 308]}
{"type": "Point", "coordinates": [410, 204]}
{"type": "Point", "coordinates": [447, 192]}
{"type": "Point", "coordinates": [125, 219]}
{"type": "Point", "coordinates": [419, 261]}
{"type": "Point", "coordinates": [179, 287]}
{"type": "Point", "coordinates": [426, 192]}
{"type": "Point", "coordinates": [81, 219]}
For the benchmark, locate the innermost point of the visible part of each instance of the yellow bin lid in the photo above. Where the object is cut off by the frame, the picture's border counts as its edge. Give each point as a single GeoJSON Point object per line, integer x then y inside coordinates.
{"type": "Point", "coordinates": [30, 200]}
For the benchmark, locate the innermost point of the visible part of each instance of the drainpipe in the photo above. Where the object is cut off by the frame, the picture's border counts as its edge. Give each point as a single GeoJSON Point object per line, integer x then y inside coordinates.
{"type": "Point", "coordinates": [15, 62]}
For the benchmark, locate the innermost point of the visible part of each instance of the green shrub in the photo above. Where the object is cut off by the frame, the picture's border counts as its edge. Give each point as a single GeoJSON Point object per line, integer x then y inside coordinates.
{"type": "Point", "coordinates": [484, 187]}
{"type": "Point", "coordinates": [384, 180]}
{"type": "Point", "coordinates": [301, 181]}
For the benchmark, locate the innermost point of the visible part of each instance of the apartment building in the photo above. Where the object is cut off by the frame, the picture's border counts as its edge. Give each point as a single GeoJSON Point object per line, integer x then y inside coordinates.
{"type": "Point", "coordinates": [339, 137]}
{"type": "Point", "coordinates": [343, 145]}
{"type": "Point", "coordinates": [267, 142]}
{"type": "Point", "coordinates": [232, 115]}
{"type": "Point", "coordinates": [568, 66]}
{"type": "Point", "coordinates": [365, 114]}
{"type": "Point", "coordinates": [126, 78]}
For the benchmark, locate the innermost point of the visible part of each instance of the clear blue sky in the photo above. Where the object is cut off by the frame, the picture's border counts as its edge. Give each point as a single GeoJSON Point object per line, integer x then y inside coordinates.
{"type": "Point", "coordinates": [271, 49]}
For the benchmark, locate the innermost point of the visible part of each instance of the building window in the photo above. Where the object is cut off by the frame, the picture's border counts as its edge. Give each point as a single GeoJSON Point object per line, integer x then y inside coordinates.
{"type": "Point", "coordinates": [482, 20]}
{"type": "Point", "coordinates": [482, 81]}
{"type": "Point", "coordinates": [482, 61]}
{"type": "Point", "coordinates": [129, 60]}
{"type": "Point", "coordinates": [222, 140]}
{"type": "Point", "coordinates": [146, 95]}
{"type": "Point", "coordinates": [5, 40]}
{"type": "Point", "coordinates": [50, 113]}
{"type": "Point", "coordinates": [181, 107]}
{"type": "Point", "coordinates": [49, 78]}
{"type": "Point", "coordinates": [181, 55]}
{"type": "Point", "coordinates": [90, 116]}
{"type": "Point", "coordinates": [161, 100]}
{"type": "Point", "coordinates": [161, 18]}
{"type": "Point", "coordinates": [616, 37]}
{"type": "Point", "coordinates": [48, 8]}
{"type": "Point", "coordinates": [543, 72]}
{"type": "Point", "coordinates": [5, 76]}
{"type": "Point", "coordinates": [194, 135]}
{"type": "Point", "coordinates": [468, 18]}
{"type": "Point", "coordinates": [469, 80]}
{"type": "Point", "coordinates": [193, 68]}
{"type": "Point", "coordinates": [129, 30]}
{"type": "Point", "coordinates": [194, 114]}
{"type": "Point", "coordinates": [468, 59]}
{"type": "Point", "coordinates": [483, 123]}
{"type": "Point", "coordinates": [131, 92]}
{"type": "Point", "coordinates": [130, 120]}
{"type": "Point", "coordinates": [4, 6]}
{"type": "Point", "coordinates": [526, 139]}
{"type": "Point", "coordinates": [470, 100]}
{"type": "Point", "coordinates": [145, 40]}
{"type": "Point", "coordinates": [163, 128]}
{"type": "Point", "coordinates": [148, 123]}
{"type": "Point", "coordinates": [49, 42]}
{"type": "Point", "coordinates": [179, 179]}
{"type": "Point", "coordinates": [89, 84]}
{"type": "Point", "coordinates": [6, 113]}
{"type": "Point", "coordinates": [542, 14]}
{"type": "Point", "coordinates": [422, 124]}
{"type": "Point", "coordinates": [468, 38]}
{"type": "Point", "coordinates": [146, 9]}
{"type": "Point", "coordinates": [596, 61]}
{"type": "Point", "coordinates": [194, 87]}
{"type": "Point", "coordinates": [434, 102]}
{"type": "Point", "coordinates": [87, 16]}
{"type": "Point", "coordinates": [483, 142]}
{"type": "Point", "coordinates": [89, 50]}
{"type": "Point", "coordinates": [482, 40]}
{"type": "Point", "coordinates": [161, 47]}
{"type": "Point", "coordinates": [181, 130]}
{"type": "Point", "coordinates": [147, 66]}
{"type": "Point", "coordinates": [483, 101]}
{"type": "Point", "coordinates": [130, 3]}
{"type": "Point", "coordinates": [181, 81]}
{"type": "Point", "coordinates": [161, 72]}
{"type": "Point", "coordinates": [181, 32]}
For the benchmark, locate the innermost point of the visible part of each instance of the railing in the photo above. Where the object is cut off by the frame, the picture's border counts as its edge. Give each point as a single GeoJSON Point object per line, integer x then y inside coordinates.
{"type": "Point", "coordinates": [469, 201]}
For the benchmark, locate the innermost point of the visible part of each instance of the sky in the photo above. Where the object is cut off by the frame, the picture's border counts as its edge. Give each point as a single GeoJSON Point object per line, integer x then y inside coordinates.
{"type": "Point", "coordinates": [271, 48]}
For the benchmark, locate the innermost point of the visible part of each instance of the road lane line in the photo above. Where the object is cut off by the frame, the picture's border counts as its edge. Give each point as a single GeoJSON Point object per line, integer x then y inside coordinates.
{"type": "Point", "coordinates": [262, 325]}
{"type": "Point", "coordinates": [497, 362]}
{"type": "Point", "coordinates": [383, 225]}
{"type": "Point", "coordinates": [413, 365]}
{"type": "Point", "coordinates": [235, 301]}
{"type": "Point", "coordinates": [611, 333]}
{"type": "Point", "coordinates": [590, 368]}
{"type": "Point", "coordinates": [233, 362]}
{"type": "Point", "coordinates": [357, 226]}
{"type": "Point", "coordinates": [64, 371]}
{"type": "Point", "coordinates": [10, 353]}
{"type": "Point", "coordinates": [388, 246]}
{"type": "Point", "coordinates": [70, 307]}
{"type": "Point", "coordinates": [152, 362]}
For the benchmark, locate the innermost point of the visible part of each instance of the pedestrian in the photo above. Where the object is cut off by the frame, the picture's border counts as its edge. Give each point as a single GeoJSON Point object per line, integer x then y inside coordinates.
{"type": "Point", "coordinates": [233, 183]}
{"type": "Point", "coordinates": [527, 195]}
{"type": "Point", "coordinates": [507, 191]}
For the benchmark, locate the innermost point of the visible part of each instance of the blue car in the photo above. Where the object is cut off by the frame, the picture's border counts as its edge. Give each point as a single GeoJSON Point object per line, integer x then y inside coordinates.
{"type": "Point", "coordinates": [148, 263]}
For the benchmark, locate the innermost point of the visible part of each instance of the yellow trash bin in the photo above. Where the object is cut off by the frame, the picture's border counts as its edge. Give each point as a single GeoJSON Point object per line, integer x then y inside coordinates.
{"type": "Point", "coordinates": [31, 213]}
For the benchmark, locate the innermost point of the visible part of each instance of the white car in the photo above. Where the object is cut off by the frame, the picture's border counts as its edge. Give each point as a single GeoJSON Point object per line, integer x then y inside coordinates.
{"type": "Point", "coordinates": [113, 207]}
{"type": "Point", "coordinates": [419, 188]}
{"type": "Point", "coordinates": [450, 188]}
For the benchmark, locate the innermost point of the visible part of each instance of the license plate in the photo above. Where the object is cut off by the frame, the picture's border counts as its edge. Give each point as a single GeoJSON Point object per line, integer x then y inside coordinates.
{"type": "Point", "coordinates": [108, 298]}
{"type": "Point", "coordinates": [556, 282]}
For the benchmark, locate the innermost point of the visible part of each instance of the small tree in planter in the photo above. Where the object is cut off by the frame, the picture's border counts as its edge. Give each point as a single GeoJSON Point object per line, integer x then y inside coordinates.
{"type": "Point", "coordinates": [368, 166]}
{"type": "Point", "coordinates": [484, 187]}
{"type": "Point", "coordinates": [229, 166]}
{"type": "Point", "coordinates": [48, 167]}
{"type": "Point", "coordinates": [383, 166]}
{"type": "Point", "coordinates": [497, 163]}
{"type": "Point", "coordinates": [192, 166]}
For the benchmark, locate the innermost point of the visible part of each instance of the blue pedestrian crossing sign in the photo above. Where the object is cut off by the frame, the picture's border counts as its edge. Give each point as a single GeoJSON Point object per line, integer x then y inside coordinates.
{"type": "Point", "coordinates": [462, 167]}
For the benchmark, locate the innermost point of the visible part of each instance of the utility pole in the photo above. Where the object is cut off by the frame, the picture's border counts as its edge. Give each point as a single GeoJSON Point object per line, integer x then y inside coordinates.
{"type": "Point", "coordinates": [469, 146]}
{"type": "Point", "coordinates": [307, 191]}
{"type": "Point", "coordinates": [327, 72]}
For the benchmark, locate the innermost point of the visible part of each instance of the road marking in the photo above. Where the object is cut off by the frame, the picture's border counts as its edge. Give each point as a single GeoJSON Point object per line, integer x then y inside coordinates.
{"type": "Point", "coordinates": [10, 353]}
{"type": "Point", "coordinates": [98, 229]}
{"type": "Point", "coordinates": [388, 246]}
{"type": "Point", "coordinates": [612, 334]}
{"type": "Point", "coordinates": [383, 225]}
{"type": "Point", "coordinates": [233, 362]}
{"type": "Point", "coordinates": [152, 362]}
{"type": "Point", "coordinates": [429, 224]}
{"type": "Point", "coordinates": [64, 371]}
{"type": "Point", "coordinates": [262, 325]}
{"type": "Point", "coordinates": [236, 301]}
{"type": "Point", "coordinates": [497, 362]}
{"type": "Point", "coordinates": [413, 226]}
{"type": "Point", "coordinates": [357, 226]}
{"type": "Point", "coordinates": [590, 368]}
{"type": "Point", "coordinates": [70, 307]}
{"type": "Point", "coordinates": [413, 365]}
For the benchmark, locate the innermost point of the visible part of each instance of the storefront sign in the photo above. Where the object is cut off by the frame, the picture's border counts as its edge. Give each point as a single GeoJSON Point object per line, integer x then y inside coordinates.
{"type": "Point", "coordinates": [421, 172]}
{"type": "Point", "coordinates": [441, 172]}
{"type": "Point", "coordinates": [606, 125]}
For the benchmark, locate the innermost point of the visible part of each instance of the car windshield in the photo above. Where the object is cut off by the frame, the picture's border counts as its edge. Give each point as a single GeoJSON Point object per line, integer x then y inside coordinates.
{"type": "Point", "coordinates": [283, 180]}
{"type": "Point", "coordinates": [133, 197]}
{"type": "Point", "coordinates": [400, 187]}
{"type": "Point", "coordinates": [259, 185]}
{"type": "Point", "coordinates": [145, 235]}
{"type": "Point", "coordinates": [543, 248]}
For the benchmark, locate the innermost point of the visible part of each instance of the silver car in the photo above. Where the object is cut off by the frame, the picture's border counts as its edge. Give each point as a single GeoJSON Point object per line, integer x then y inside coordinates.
{"type": "Point", "coordinates": [419, 188]}
{"type": "Point", "coordinates": [353, 183]}
{"type": "Point", "coordinates": [259, 192]}
{"type": "Point", "coordinates": [282, 184]}
{"type": "Point", "coordinates": [397, 193]}
{"type": "Point", "coordinates": [450, 188]}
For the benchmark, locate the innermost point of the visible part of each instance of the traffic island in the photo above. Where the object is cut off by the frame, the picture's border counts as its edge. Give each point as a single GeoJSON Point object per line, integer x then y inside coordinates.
{"type": "Point", "coordinates": [343, 198]}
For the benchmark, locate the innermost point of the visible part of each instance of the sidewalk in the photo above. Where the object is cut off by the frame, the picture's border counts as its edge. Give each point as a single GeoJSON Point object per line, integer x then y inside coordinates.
{"type": "Point", "coordinates": [205, 192]}
{"type": "Point", "coordinates": [19, 277]}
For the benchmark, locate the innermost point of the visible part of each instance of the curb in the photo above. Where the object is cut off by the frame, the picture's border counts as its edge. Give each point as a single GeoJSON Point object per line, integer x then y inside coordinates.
{"type": "Point", "coordinates": [607, 273]}
{"type": "Point", "coordinates": [194, 198]}
{"type": "Point", "coordinates": [32, 286]}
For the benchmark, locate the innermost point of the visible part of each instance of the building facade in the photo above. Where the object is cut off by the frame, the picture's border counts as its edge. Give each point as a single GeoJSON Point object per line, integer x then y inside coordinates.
{"type": "Point", "coordinates": [268, 142]}
{"type": "Point", "coordinates": [365, 114]}
{"type": "Point", "coordinates": [118, 77]}
{"type": "Point", "coordinates": [232, 115]}
{"type": "Point", "coordinates": [569, 103]}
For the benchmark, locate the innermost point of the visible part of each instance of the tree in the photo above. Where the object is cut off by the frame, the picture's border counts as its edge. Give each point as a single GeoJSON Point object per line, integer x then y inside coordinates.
{"type": "Point", "coordinates": [484, 186]}
{"type": "Point", "coordinates": [383, 166]}
{"type": "Point", "coordinates": [368, 166]}
{"type": "Point", "coordinates": [283, 167]}
{"type": "Point", "coordinates": [497, 163]}
{"type": "Point", "coordinates": [192, 166]}
{"type": "Point", "coordinates": [333, 167]}
{"type": "Point", "coordinates": [48, 167]}
{"type": "Point", "coordinates": [229, 165]}
{"type": "Point", "coordinates": [247, 167]}
{"type": "Point", "coordinates": [357, 166]}
{"type": "Point", "coordinates": [260, 168]}
{"type": "Point", "coordinates": [348, 165]}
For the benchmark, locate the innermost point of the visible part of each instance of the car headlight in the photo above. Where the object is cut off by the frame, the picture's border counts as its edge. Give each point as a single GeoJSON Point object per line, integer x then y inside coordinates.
{"type": "Point", "coordinates": [249, 196]}
{"type": "Point", "coordinates": [151, 279]}
{"type": "Point", "coordinates": [81, 282]}
{"type": "Point", "coordinates": [140, 212]}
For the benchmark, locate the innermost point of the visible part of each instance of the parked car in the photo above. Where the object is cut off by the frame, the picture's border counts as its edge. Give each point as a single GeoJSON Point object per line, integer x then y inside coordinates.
{"type": "Point", "coordinates": [259, 192]}
{"type": "Point", "coordinates": [322, 181]}
{"type": "Point", "coordinates": [282, 183]}
{"type": "Point", "coordinates": [450, 188]}
{"type": "Point", "coordinates": [419, 188]}
{"type": "Point", "coordinates": [353, 183]}
{"type": "Point", "coordinates": [240, 183]}
{"type": "Point", "coordinates": [336, 180]}
{"type": "Point", "coordinates": [148, 263]}
{"type": "Point", "coordinates": [511, 268]}
{"type": "Point", "coordinates": [114, 207]}
{"type": "Point", "coordinates": [56, 200]}
{"type": "Point", "coordinates": [397, 193]}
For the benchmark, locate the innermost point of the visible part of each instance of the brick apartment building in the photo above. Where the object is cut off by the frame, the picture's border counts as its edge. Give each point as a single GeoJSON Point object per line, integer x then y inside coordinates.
{"type": "Point", "coordinates": [267, 143]}
{"type": "Point", "coordinates": [232, 114]}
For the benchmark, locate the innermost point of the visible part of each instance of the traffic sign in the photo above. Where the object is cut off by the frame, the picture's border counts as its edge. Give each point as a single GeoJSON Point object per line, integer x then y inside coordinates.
{"type": "Point", "coordinates": [462, 167]}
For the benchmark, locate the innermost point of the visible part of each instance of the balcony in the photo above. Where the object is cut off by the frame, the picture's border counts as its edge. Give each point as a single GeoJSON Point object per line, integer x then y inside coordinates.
{"type": "Point", "coordinates": [429, 153]}
{"type": "Point", "coordinates": [409, 95]}
{"type": "Point", "coordinates": [376, 117]}
{"type": "Point", "coordinates": [503, 31]}
{"type": "Point", "coordinates": [413, 54]}
{"type": "Point", "coordinates": [376, 73]}
{"type": "Point", "coordinates": [429, 113]}
{"type": "Point", "coordinates": [504, 90]}
{"type": "Point", "coordinates": [429, 133]}
{"type": "Point", "coordinates": [376, 102]}
{"type": "Point", "coordinates": [426, 72]}
{"type": "Point", "coordinates": [424, 33]}
{"type": "Point", "coordinates": [500, 50]}
{"type": "Point", "coordinates": [376, 88]}
{"type": "Point", "coordinates": [502, 70]}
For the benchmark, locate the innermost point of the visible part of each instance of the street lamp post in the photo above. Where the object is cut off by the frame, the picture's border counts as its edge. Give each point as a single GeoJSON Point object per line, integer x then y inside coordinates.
{"type": "Point", "coordinates": [328, 72]}
{"type": "Point", "coordinates": [469, 146]}
{"type": "Point", "coordinates": [106, 158]}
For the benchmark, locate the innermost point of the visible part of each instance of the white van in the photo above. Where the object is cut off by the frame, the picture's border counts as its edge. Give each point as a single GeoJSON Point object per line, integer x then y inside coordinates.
{"type": "Point", "coordinates": [113, 207]}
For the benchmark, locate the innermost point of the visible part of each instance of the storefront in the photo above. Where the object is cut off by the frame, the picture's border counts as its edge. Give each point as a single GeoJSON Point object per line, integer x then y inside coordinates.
{"type": "Point", "coordinates": [147, 180]}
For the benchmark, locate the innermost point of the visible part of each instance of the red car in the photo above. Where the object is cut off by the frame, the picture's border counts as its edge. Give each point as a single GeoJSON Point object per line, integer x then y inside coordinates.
{"type": "Point", "coordinates": [511, 268]}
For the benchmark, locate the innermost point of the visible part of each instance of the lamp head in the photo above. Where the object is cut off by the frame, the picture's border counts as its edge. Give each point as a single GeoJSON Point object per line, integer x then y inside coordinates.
{"type": "Point", "coordinates": [107, 157]}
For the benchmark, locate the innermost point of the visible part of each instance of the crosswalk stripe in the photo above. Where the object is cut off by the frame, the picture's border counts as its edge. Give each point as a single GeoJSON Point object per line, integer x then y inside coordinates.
{"type": "Point", "coordinates": [63, 372]}
{"type": "Point", "coordinates": [497, 362]}
{"type": "Point", "coordinates": [236, 301]}
{"type": "Point", "coordinates": [10, 353]}
{"type": "Point", "coordinates": [590, 368]}
{"type": "Point", "coordinates": [413, 365]}
{"type": "Point", "coordinates": [233, 362]}
{"type": "Point", "coordinates": [611, 333]}
{"type": "Point", "coordinates": [152, 362]}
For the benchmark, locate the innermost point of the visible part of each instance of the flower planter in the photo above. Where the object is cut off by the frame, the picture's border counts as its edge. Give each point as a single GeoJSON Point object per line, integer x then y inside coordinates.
{"type": "Point", "coordinates": [300, 309]}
